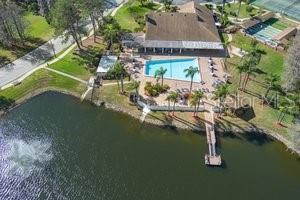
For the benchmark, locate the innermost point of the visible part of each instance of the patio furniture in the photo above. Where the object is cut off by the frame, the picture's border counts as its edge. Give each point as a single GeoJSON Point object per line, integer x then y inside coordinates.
{"type": "Point", "coordinates": [185, 90]}
{"type": "Point", "coordinates": [178, 90]}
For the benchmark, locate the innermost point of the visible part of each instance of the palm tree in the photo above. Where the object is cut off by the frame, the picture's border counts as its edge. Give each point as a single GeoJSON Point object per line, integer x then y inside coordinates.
{"type": "Point", "coordinates": [173, 97]}
{"type": "Point", "coordinates": [251, 60]}
{"type": "Point", "coordinates": [119, 72]}
{"type": "Point", "coordinates": [290, 104]}
{"type": "Point", "coordinates": [142, 2]}
{"type": "Point", "coordinates": [250, 70]}
{"type": "Point", "coordinates": [200, 95]}
{"type": "Point", "coordinates": [221, 92]}
{"type": "Point", "coordinates": [225, 44]}
{"type": "Point", "coordinates": [134, 85]}
{"type": "Point", "coordinates": [193, 102]}
{"type": "Point", "coordinates": [110, 33]}
{"type": "Point", "coordinates": [190, 72]}
{"type": "Point", "coordinates": [169, 103]}
{"type": "Point", "coordinates": [196, 100]}
{"type": "Point", "coordinates": [283, 111]}
{"type": "Point", "coordinates": [167, 5]}
{"type": "Point", "coordinates": [254, 54]}
{"type": "Point", "coordinates": [271, 81]}
{"type": "Point", "coordinates": [223, 7]}
{"type": "Point", "coordinates": [159, 73]}
{"type": "Point", "coordinates": [242, 67]}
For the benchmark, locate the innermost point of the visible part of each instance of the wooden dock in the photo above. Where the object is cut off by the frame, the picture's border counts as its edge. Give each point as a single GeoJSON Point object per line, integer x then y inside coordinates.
{"type": "Point", "coordinates": [211, 158]}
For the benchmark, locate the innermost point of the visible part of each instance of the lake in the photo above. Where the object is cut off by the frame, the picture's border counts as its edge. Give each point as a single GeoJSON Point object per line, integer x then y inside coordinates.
{"type": "Point", "coordinates": [54, 147]}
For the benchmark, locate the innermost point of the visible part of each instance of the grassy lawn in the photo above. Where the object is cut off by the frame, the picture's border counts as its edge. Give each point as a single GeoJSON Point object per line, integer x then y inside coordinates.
{"type": "Point", "coordinates": [38, 27]}
{"type": "Point", "coordinates": [81, 64]}
{"type": "Point", "coordinates": [39, 80]}
{"type": "Point", "coordinates": [72, 64]}
{"type": "Point", "coordinates": [233, 7]}
{"type": "Point", "coordinates": [37, 32]}
{"type": "Point", "coordinates": [126, 16]}
{"type": "Point", "coordinates": [111, 95]}
{"type": "Point", "coordinates": [271, 62]}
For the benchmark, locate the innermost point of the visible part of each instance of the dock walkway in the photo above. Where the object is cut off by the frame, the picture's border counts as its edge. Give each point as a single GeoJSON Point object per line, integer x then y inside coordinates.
{"type": "Point", "coordinates": [211, 158]}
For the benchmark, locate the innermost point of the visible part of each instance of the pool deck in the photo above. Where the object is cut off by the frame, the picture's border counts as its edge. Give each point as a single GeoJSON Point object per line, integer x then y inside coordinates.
{"type": "Point", "coordinates": [205, 75]}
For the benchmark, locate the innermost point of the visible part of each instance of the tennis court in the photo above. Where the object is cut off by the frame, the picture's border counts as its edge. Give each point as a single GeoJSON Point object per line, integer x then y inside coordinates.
{"type": "Point", "coordinates": [290, 8]}
{"type": "Point", "coordinates": [264, 32]}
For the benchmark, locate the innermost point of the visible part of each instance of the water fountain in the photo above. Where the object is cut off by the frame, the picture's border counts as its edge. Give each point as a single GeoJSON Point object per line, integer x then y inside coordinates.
{"type": "Point", "coordinates": [23, 158]}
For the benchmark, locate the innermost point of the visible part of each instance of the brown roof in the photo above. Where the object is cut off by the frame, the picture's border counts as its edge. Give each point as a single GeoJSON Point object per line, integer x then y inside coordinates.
{"type": "Point", "coordinates": [198, 25]}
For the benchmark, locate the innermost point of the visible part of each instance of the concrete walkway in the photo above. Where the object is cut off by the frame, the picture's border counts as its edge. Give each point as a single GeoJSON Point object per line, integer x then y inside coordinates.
{"type": "Point", "coordinates": [66, 75]}
{"type": "Point", "coordinates": [26, 65]}
{"type": "Point", "coordinates": [113, 13]}
{"type": "Point", "coordinates": [115, 83]}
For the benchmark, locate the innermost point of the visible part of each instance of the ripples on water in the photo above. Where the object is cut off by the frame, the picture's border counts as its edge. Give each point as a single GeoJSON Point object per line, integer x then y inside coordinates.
{"type": "Point", "coordinates": [55, 148]}
{"type": "Point", "coordinates": [22, 163]}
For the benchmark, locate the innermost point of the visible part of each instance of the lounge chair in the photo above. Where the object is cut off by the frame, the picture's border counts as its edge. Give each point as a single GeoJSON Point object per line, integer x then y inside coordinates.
{"type": "Point", "coordinates": [185, 90]}
{"type": "Point", "coordinates": [178, 90]}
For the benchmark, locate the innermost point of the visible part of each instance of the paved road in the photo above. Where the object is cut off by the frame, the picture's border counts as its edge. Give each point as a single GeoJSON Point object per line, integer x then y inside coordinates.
{"type": "Point", "coordinates": [34, 59]}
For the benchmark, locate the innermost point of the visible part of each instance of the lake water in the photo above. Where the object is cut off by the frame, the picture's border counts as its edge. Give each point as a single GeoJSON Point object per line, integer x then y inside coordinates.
{"type": "Point", "coordinates": [54, 147]}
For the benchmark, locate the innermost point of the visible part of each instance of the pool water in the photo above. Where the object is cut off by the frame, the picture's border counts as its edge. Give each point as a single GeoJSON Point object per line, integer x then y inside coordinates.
{"type": "Point", "coordinates": [175, 68]}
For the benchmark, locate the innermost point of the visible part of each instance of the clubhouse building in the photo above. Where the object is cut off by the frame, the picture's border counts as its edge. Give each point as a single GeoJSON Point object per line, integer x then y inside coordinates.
{"type": "Point", "coordinates": [190, 30]}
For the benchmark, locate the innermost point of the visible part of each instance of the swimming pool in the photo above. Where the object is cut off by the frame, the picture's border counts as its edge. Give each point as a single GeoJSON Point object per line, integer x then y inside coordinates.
{"type": "Point", "coordinates": [175, 68]}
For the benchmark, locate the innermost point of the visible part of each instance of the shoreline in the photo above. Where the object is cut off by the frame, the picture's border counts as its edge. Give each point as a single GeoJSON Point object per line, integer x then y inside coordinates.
{"type": "Point", "coordinates": [152, 121]}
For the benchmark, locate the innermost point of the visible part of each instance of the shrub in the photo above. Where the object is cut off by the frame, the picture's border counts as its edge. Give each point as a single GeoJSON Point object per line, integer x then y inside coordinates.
{"type": "Point", "coordinates": [209, 6]}
{"type": "Point", "coordinates": [249, 8]}
{"type": "Point", "coordinates": [225, 21]}
{"type": "Point", "coordinates": [219, 8]}
{"type": "Point", "coordinates": [116, 48]}
{"type": "Point", "coordinates": [233, 13]}
{"type": "Point", "coordinates": [155, 90]}
{"type": "Point", "coordinates": [252, 14]}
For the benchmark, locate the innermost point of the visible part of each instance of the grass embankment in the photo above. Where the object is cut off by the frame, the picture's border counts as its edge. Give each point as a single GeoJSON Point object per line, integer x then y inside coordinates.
{"type": "Point", "coordinates": [271, 62]}
{"type": "Point", "coordinates": [234, 7]}
{"type": "Point", "coordinates": [40, 79]}
{"type": "Point", "coordinates": [111, 95]}
{"type": "Point", "coordinates": [133, 13]}
{"type": "Point", "coordinates": [82, 63]}
{"type": "Point", "coordinates": [38, 31]}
